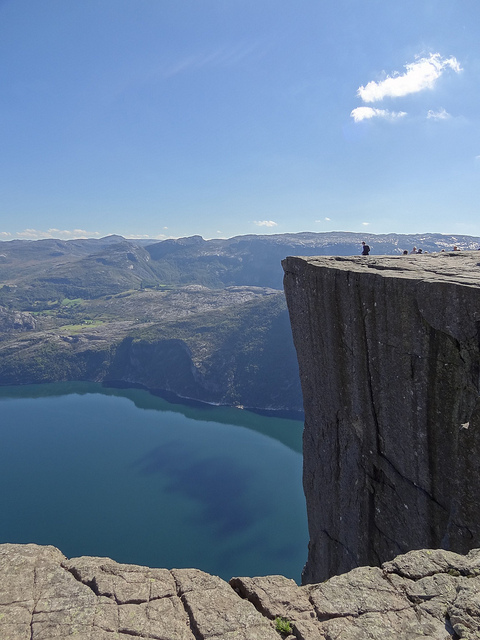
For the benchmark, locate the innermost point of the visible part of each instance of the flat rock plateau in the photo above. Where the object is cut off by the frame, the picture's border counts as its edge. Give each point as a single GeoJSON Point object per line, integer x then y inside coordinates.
{"type": "Point", "coordinates": [423, 594]}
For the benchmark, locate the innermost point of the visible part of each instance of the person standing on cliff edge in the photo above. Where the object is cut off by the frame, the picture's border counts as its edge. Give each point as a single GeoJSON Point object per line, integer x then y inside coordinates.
{"type": "Point", "coordinates": [365, 249]}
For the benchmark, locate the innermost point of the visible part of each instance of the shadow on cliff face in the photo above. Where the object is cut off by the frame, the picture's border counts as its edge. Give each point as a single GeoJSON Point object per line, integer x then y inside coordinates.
{"type": "Point", "coordinates": [218, 484]}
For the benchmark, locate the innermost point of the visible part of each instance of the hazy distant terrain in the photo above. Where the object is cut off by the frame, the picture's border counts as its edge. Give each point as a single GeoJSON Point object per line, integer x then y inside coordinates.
{"type": "Point", "coordinates": [204, 319]}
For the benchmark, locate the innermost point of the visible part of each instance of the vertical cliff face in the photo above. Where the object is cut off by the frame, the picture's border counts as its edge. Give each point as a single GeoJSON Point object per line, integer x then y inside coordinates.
{"type": "Point", "coordinates": [388, 350]}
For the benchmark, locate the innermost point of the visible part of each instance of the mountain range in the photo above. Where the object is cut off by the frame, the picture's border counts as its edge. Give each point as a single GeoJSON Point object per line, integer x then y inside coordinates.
{"type": "Point", "coordinates": [200, 319]}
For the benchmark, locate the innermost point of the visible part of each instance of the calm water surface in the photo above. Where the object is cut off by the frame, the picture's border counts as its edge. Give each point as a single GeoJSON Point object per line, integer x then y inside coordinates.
{"type": "Point", "coordinates": [125, 474]}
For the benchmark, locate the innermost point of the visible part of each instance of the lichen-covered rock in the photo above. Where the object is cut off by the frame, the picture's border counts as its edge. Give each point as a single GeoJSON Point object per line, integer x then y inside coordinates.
{"type": "Point", "coordinates": [388, 350]}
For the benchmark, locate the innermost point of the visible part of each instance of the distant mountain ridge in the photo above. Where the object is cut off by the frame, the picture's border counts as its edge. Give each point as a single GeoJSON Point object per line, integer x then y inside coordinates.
{"type": "Point", "coordinates": [202, 319]}
{"type": "Point", "coordinates": [119, 263]}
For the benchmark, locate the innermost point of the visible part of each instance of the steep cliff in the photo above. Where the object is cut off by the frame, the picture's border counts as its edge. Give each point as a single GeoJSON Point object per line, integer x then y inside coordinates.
{"type": "Point", "coordinates": [432, 595]}
{"type": "Point", "coordinates": [388, 350]}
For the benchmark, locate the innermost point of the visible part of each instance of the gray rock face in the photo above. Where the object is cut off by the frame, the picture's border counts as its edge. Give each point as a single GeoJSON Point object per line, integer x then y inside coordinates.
{"type": "Point", "coordinates": [16, 321]}
{"type": "Point", "coordinates": [44, 596]}
{"type": "Point", "coordinates": [388, 350]}
{"type": "Point", "coordinates": [432, 595]}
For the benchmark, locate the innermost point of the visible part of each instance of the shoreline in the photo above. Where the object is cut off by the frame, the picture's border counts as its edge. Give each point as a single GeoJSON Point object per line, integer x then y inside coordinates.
{"type": "Point", "coordinates": [175, 398]}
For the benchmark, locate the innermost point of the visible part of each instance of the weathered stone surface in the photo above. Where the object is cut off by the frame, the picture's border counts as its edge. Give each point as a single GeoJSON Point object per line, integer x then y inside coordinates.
{"type": "Point", "coordinates": [43, 595]}
{"type": "Point", "coordinates": [423, 594]}
{"type": "Point", "coordinates": [275, 596]}
{"type": "Point", "coordinates": [388, 350]}
{"type": "Point", "coordinates": [433, 595]}
{"type": "Point", "coordinates": [217, 611]}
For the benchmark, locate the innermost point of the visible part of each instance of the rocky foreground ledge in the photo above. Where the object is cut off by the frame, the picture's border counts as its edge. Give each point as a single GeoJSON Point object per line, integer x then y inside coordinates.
{"type": "Point", "coordinates": [422, 594]}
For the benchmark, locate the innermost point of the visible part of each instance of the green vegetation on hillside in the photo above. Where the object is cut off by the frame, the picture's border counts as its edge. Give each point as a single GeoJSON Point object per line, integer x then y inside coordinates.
{"type": "Point", "coordinates": [188, 316]}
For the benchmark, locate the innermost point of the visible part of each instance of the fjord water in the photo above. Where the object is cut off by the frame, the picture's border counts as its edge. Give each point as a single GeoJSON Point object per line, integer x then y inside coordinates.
{"type": "Point", "coordinates": [125, 474]}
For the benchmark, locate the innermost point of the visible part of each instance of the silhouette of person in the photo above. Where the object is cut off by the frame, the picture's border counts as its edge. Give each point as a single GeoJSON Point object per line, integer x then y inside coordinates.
{"type": "Point", "coordinates": [365, 249]}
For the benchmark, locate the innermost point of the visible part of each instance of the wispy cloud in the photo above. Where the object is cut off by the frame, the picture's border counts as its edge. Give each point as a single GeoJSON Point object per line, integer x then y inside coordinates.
{"type": "Point", "coordinates": [60, 234]}
{"type": "Point", "coordinates": [441, 114]}
{"type": "Point", "coordinates": [419, 75]}
{"type": "Point", "coordinates": [221, 57]}
{"type": "Point", "coordinates": [365, 224]}
{"type": "Point", "coordinates": [5, 234]}
{"type": "Point", "coordinates": [144, 236]}
{"type": "Point", "coordinates": [265, 223]}
{"type": "Point", "coordinates": [365, 113]}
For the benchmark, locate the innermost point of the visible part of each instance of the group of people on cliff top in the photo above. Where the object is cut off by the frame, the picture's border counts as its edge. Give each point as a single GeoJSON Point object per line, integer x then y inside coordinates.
{"type": "Point", "coordinates": [366, 250]}
{"type": "Point", "coordinates": [415, 250]}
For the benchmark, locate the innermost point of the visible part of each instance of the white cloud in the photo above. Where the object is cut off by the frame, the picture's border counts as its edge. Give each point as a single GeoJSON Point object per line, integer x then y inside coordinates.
{"type": "Point", "coordinates": [5, 234]}
{"type": "Point", "coordinates": [34, 234]}
{"type": "Point", "coordinates": [327, 219]}
{"type": "Point", "coordinates": [419, 75]}
{"type": "Point", "coordinates": [441, 114]}
{"type": "Point", "coordinates": [144, 236]}
{"type": "Point", "coordinates": [265, 223]}
{"type": "Point", "coordinates": [365, 113]}
{"type": "Point", "coordinates": [365, 224]}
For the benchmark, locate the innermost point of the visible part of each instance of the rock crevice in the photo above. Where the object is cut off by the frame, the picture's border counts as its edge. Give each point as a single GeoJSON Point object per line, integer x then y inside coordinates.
{"type": "Point", "coordinates": [429, 594]}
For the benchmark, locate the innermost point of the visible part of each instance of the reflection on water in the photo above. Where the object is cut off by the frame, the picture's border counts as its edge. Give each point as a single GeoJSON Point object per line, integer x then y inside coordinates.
{"type": "Point", "coordinates": [283, 429]}
{"type": "Point", "coordinates": [125, 474]}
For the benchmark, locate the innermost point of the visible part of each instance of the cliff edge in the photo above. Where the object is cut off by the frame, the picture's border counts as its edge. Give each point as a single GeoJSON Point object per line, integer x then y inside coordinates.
{"type": "Point", "coordinates": [43, 595]}
{"type": "Point", "coordinates": [388, 350]}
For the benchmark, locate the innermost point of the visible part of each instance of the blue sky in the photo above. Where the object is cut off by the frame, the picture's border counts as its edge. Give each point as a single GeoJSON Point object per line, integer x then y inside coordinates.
{"type": "Point", "coordinates": [166, 118]}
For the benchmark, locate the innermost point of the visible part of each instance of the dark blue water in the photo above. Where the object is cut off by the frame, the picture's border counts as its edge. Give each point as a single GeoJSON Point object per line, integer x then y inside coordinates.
{"type": "Point", "coordinates": [127, 475]}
